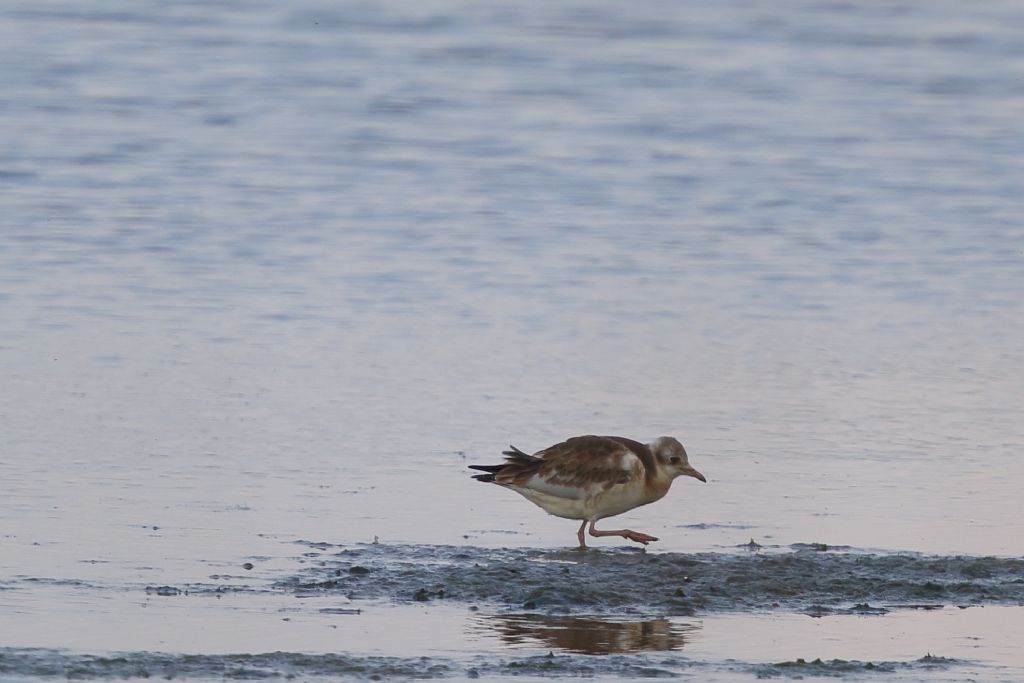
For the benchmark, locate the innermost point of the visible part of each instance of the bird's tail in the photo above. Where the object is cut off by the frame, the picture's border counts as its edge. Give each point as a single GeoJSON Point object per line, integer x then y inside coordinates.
{"type": "Point", "coordinates": [513, 458]}
{"type": "Point", "coordinates": [490, 469]}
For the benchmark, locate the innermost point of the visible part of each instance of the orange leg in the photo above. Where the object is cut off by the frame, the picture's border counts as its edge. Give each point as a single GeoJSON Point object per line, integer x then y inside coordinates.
{"type": "Point", "coordinates": [625, 533]}
{"type": "Point", "coordinates": [579, 535]}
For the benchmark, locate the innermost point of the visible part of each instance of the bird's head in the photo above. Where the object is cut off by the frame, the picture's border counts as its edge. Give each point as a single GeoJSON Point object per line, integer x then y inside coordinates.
{"type": "Point", "coordinates": [672, 457]}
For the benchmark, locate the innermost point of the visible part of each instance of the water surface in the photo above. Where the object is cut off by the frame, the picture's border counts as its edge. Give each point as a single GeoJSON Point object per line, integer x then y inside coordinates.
{"type": "Point", "coordinates": [279, 272]}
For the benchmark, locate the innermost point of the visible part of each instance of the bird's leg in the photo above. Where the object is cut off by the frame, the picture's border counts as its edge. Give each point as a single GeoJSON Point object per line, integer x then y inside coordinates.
{"type": "Point", "coordinates": [579, 535]}
{"type": "Point", "coordinates": [625, 533]}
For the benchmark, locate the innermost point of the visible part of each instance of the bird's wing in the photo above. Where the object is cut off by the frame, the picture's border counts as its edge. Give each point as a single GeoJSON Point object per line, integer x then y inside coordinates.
{"type": "Point", "coordinates": [579, 468]}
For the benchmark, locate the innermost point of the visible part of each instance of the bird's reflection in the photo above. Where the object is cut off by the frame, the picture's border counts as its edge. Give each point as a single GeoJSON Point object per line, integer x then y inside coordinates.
{"type": "Point", "coordinates": [587, 635]}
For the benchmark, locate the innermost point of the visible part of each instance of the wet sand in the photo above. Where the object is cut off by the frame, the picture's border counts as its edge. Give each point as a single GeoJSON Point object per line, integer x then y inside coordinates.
{"type": "Point", "coordinates": [808, 577]}
{"type": "Point", "coordinates": [417, 611]}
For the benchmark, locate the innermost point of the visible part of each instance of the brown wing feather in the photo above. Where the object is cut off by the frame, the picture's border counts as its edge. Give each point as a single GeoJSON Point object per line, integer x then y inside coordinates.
{"type": "Point", "coordinates": [640, 450]}
{"type": "Point", "coordinates": [582, 461]}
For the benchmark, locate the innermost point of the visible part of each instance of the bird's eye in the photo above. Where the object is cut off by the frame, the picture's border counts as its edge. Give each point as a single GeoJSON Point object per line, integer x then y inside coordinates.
{"type": "Point", "coordinates": [675, 460]}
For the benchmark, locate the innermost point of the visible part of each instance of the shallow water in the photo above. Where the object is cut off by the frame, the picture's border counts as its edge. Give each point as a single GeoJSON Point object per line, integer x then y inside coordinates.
{"type": "Point", "coordinates": [392, 619]}
{"type": "Point", "coordinates": [282, 273]}
{"type": "Point", "coordinates": [462, 612]}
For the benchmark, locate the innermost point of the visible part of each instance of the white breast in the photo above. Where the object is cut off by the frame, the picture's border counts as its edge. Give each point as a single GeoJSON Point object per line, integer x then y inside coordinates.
{"type": "Point", "coordinates": [618, 499]}
{"type": "Point", "coordinates": [584, 504]}
{"type": "Point", "coordinates": [569, 508]}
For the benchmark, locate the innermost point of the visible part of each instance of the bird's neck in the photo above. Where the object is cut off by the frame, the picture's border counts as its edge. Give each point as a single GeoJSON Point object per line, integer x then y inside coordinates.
{"type": "Point", "coordinates": [658, 485]}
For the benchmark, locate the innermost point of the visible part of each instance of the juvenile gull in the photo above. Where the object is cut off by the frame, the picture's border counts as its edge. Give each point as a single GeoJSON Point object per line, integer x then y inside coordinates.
{"type": "Point", "coordinates": [593, 477]}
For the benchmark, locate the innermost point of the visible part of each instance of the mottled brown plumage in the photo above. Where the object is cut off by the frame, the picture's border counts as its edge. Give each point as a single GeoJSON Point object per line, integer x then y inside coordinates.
{"type": "Point", "coordinates": [580, 461]}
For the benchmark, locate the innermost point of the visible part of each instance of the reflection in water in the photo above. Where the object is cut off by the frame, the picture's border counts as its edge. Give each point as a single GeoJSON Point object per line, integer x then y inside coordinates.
{"type": "Point", "coordinates": [587, 635]}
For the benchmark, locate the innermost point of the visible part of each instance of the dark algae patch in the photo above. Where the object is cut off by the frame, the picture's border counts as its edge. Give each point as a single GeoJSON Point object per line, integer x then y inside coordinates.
{"type": "Point", "coordinates": [55, 663]}
{"type": "Point", "coordinates": [559, 581]}
{"type": "Point", "coordinates": [841, 668]}
{"type": "Point", "coordinates": [290, 666]}
{"type": "Point", "coordinates": [40, 663]}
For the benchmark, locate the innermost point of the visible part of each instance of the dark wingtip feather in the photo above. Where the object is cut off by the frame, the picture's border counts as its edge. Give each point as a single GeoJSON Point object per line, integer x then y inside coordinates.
{"type": "Point", "coordinates": [491, 470]}
{"type": "Point", "coordinates": [486, 468]}
{"type": "Point", "coordinates": [514, 459]}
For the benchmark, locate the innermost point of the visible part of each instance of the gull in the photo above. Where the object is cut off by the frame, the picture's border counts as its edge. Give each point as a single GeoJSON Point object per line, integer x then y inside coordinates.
{"type": "Point", "coordinates": [593, 477]}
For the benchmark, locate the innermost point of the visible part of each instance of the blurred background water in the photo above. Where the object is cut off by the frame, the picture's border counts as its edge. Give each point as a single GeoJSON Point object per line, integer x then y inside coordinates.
{"type": "Point", "coordinates": [272, 271]}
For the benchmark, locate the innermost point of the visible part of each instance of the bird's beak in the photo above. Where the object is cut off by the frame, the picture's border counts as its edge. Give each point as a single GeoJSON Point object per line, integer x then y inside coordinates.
{"type": "Point", "coordinates": [690, 472]}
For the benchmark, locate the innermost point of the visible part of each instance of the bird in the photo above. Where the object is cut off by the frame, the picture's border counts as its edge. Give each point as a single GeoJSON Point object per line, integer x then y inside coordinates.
{"type": "Point", "coordinates": [593, 477]}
